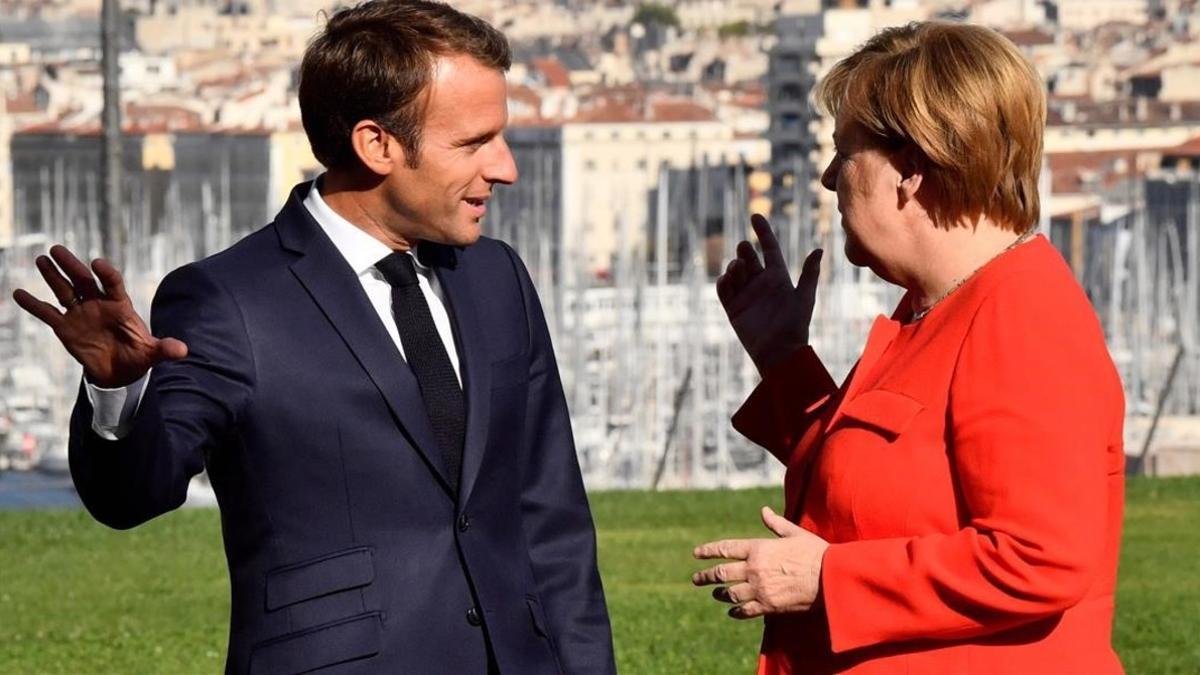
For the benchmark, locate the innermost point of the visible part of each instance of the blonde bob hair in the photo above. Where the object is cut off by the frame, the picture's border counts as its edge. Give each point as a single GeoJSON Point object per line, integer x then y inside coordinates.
{"type": "Point", "coordinates": [968, 105]}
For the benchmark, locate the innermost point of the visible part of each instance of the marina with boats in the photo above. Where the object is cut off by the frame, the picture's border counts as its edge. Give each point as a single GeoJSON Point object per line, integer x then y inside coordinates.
{"type": "Point", "coordinates": [651, 370]}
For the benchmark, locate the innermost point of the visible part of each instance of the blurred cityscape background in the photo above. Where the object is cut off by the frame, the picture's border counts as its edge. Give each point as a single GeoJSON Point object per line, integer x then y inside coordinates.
{"type": "Point", "coordinates": [645, 134]}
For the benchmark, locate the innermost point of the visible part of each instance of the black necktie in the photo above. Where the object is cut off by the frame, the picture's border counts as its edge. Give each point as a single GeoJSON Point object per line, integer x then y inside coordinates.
{"type": "Point", "coordinates": [426, 355]}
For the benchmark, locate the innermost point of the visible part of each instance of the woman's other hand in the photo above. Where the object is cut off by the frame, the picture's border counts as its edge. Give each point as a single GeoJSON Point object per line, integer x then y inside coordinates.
{"type": "Point", "coordinates": [769, 314]}
{"type": "Point", "coordinates": [767, 576]}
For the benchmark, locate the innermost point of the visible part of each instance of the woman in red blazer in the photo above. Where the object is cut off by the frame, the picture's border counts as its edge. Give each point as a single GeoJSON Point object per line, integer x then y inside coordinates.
{"type": "Point", "coordinates": [955, 506]}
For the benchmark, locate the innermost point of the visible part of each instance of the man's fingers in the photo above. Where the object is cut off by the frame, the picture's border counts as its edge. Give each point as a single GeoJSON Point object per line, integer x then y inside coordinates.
{"type": "Point", "coordinates": [720, 574]}
{"type": "Point", "coordinates": [170, 349]}
{"type": "Point", "coordinates": [731, 549]}
{"type": "Point", "coordinates": [62, 289]}
{"type": "Point", "coordinates": [778, 524]}
{"type": "Point", "coordinates": [44, 311]}
{"type": "Point", "coordinates": [76, 271]}
{"type": "Point", "coordinates": [110, 278]}
{"type": "Point", "coordinates": [748, 610]}
{"type": "Point", "coordinates": [770, 245]}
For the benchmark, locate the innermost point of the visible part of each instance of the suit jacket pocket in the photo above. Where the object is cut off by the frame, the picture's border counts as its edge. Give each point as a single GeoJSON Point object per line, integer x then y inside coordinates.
{"type": "Point", "coordinates": [886, 411]}
{"type": "Point", "coordinates": [325, 645]}
{"type": "Point", "coordinates": [319, 576]}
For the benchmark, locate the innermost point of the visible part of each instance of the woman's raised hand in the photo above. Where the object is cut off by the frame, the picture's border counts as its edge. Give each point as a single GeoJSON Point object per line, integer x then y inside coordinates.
{"type": "Point", "coordinates": [769, 314]}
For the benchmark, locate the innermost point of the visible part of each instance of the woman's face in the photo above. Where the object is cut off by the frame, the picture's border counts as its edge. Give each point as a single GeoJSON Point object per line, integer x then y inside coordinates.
{"type": "Point", "coordinates": [866, 183]}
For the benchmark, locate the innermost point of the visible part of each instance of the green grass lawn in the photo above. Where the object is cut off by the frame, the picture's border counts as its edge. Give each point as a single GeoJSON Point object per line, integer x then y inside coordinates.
{"type": "Point", "coordinates": [76, 597]}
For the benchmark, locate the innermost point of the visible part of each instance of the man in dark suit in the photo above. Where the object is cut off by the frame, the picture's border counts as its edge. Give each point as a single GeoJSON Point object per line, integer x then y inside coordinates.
{"type": "Point", "coordinates": [369, 383]}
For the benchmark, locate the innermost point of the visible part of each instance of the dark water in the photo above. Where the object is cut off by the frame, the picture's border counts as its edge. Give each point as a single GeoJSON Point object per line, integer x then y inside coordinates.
{"type": "Point", "coordinates": [23, 490]}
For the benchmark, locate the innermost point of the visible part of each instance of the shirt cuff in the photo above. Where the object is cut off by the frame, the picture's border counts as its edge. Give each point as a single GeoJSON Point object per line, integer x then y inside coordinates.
{"type": "Point", "coordinates": [114, 410]}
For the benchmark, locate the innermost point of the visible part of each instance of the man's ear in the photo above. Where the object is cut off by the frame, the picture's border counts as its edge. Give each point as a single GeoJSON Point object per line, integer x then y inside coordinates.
{"type": "Point", "coordinates": [377, 149]}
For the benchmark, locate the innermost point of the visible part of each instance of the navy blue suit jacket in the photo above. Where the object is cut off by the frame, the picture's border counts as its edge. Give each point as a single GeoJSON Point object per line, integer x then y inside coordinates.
{"type": "Point", "coordinates": [346, 547]}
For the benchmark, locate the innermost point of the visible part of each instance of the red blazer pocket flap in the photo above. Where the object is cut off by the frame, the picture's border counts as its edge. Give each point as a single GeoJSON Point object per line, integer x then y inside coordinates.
{"type": "Point", "coordinates": [884, 410]}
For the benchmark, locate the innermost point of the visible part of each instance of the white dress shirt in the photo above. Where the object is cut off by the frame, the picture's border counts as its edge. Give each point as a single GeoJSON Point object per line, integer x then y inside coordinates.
{"type": "Point", "coordinates": [114, 409]}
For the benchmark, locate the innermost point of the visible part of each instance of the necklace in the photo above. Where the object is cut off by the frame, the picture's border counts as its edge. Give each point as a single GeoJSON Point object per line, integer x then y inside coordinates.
{"type": "Point", "coordinates": [919, 314]}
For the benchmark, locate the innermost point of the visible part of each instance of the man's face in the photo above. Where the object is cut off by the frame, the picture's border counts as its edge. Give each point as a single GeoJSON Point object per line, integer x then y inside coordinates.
{"type": "Point", "coordinates": [463, 155]}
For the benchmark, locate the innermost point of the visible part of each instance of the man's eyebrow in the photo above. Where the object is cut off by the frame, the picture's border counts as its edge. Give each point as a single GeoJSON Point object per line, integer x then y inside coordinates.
{"type": "Point", "coordinates": [477, 139]}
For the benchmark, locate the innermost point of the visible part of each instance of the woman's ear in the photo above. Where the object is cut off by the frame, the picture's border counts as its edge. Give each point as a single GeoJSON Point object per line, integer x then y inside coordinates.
{"type": "Point", "coordinates": [911, 165]}
{"type": "Point", "coordinates": [377, 149]}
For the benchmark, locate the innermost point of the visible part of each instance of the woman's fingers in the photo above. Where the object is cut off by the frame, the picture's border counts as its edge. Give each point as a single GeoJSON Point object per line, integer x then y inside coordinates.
{"type": "Point", "coordinates": [721, 574]}
{"type": "Point", "coordinates": [735, 276]}
{"type": "Point", "coordinates": [749, 258]}
{"type": "Point", "coordinates": [735, 594]}
{"type": "Point", "coordinates": [724, 289]}
{"type": "Point", "coordinates": [729, 549]}
{"type": "Point", "coordinates": [772, 255]}
{"type": "Point", "coordinates": [806, 287]}
{"type": "Point", "coordinates": [748, 610]}
{"type": "Point", "coordinates": [778, 524]}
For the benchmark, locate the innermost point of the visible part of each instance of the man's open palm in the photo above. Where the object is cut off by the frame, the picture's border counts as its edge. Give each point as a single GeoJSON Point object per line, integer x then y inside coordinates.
{"type": "Point", "coordinates": [97, 324]}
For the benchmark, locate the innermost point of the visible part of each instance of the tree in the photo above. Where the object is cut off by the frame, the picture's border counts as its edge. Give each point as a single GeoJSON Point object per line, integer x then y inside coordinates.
{"type": "Point", "coordinates": [653, 12]}
{"type": "Point", "coordinates": [735, 29]}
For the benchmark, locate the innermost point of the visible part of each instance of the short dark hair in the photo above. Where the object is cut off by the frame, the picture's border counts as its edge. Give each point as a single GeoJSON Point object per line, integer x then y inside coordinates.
{"type": "Point", "coordinates": [375, 61]}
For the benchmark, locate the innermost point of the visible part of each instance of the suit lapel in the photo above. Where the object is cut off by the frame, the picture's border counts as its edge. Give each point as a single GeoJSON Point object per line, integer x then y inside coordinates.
{"type": "Point", "coordinates": [475, 365]}
{"type": "Point", "coordinates": [333, 287]}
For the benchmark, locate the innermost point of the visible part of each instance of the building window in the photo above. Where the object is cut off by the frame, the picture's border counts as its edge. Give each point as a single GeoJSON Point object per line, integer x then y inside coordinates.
{"type": "Point", "coordinates": [789, 152]}
{"type": "Point", "coordinates": [791, 93]}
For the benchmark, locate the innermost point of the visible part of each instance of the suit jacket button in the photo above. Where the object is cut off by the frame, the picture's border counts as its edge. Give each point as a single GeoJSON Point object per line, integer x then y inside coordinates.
{"type": "Point", "coordinates": [464, 523]}
{"type": "Point", "coordinates": [473, 617]}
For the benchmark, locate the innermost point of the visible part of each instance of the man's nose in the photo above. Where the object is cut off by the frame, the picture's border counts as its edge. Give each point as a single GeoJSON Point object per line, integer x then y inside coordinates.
{"type": "Point", "coordinates": [501, 167]}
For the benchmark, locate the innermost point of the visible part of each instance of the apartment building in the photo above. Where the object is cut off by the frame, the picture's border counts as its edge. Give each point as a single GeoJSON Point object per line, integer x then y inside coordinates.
{"type": "Point", "coordinates": [589, 177]}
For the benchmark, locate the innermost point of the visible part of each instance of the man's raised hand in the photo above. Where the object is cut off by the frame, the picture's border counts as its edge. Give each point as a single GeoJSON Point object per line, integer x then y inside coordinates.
{"type": "Point", "coordinates": [97, 325]}
{"type": "Point", "coordinates": [769, 314]}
